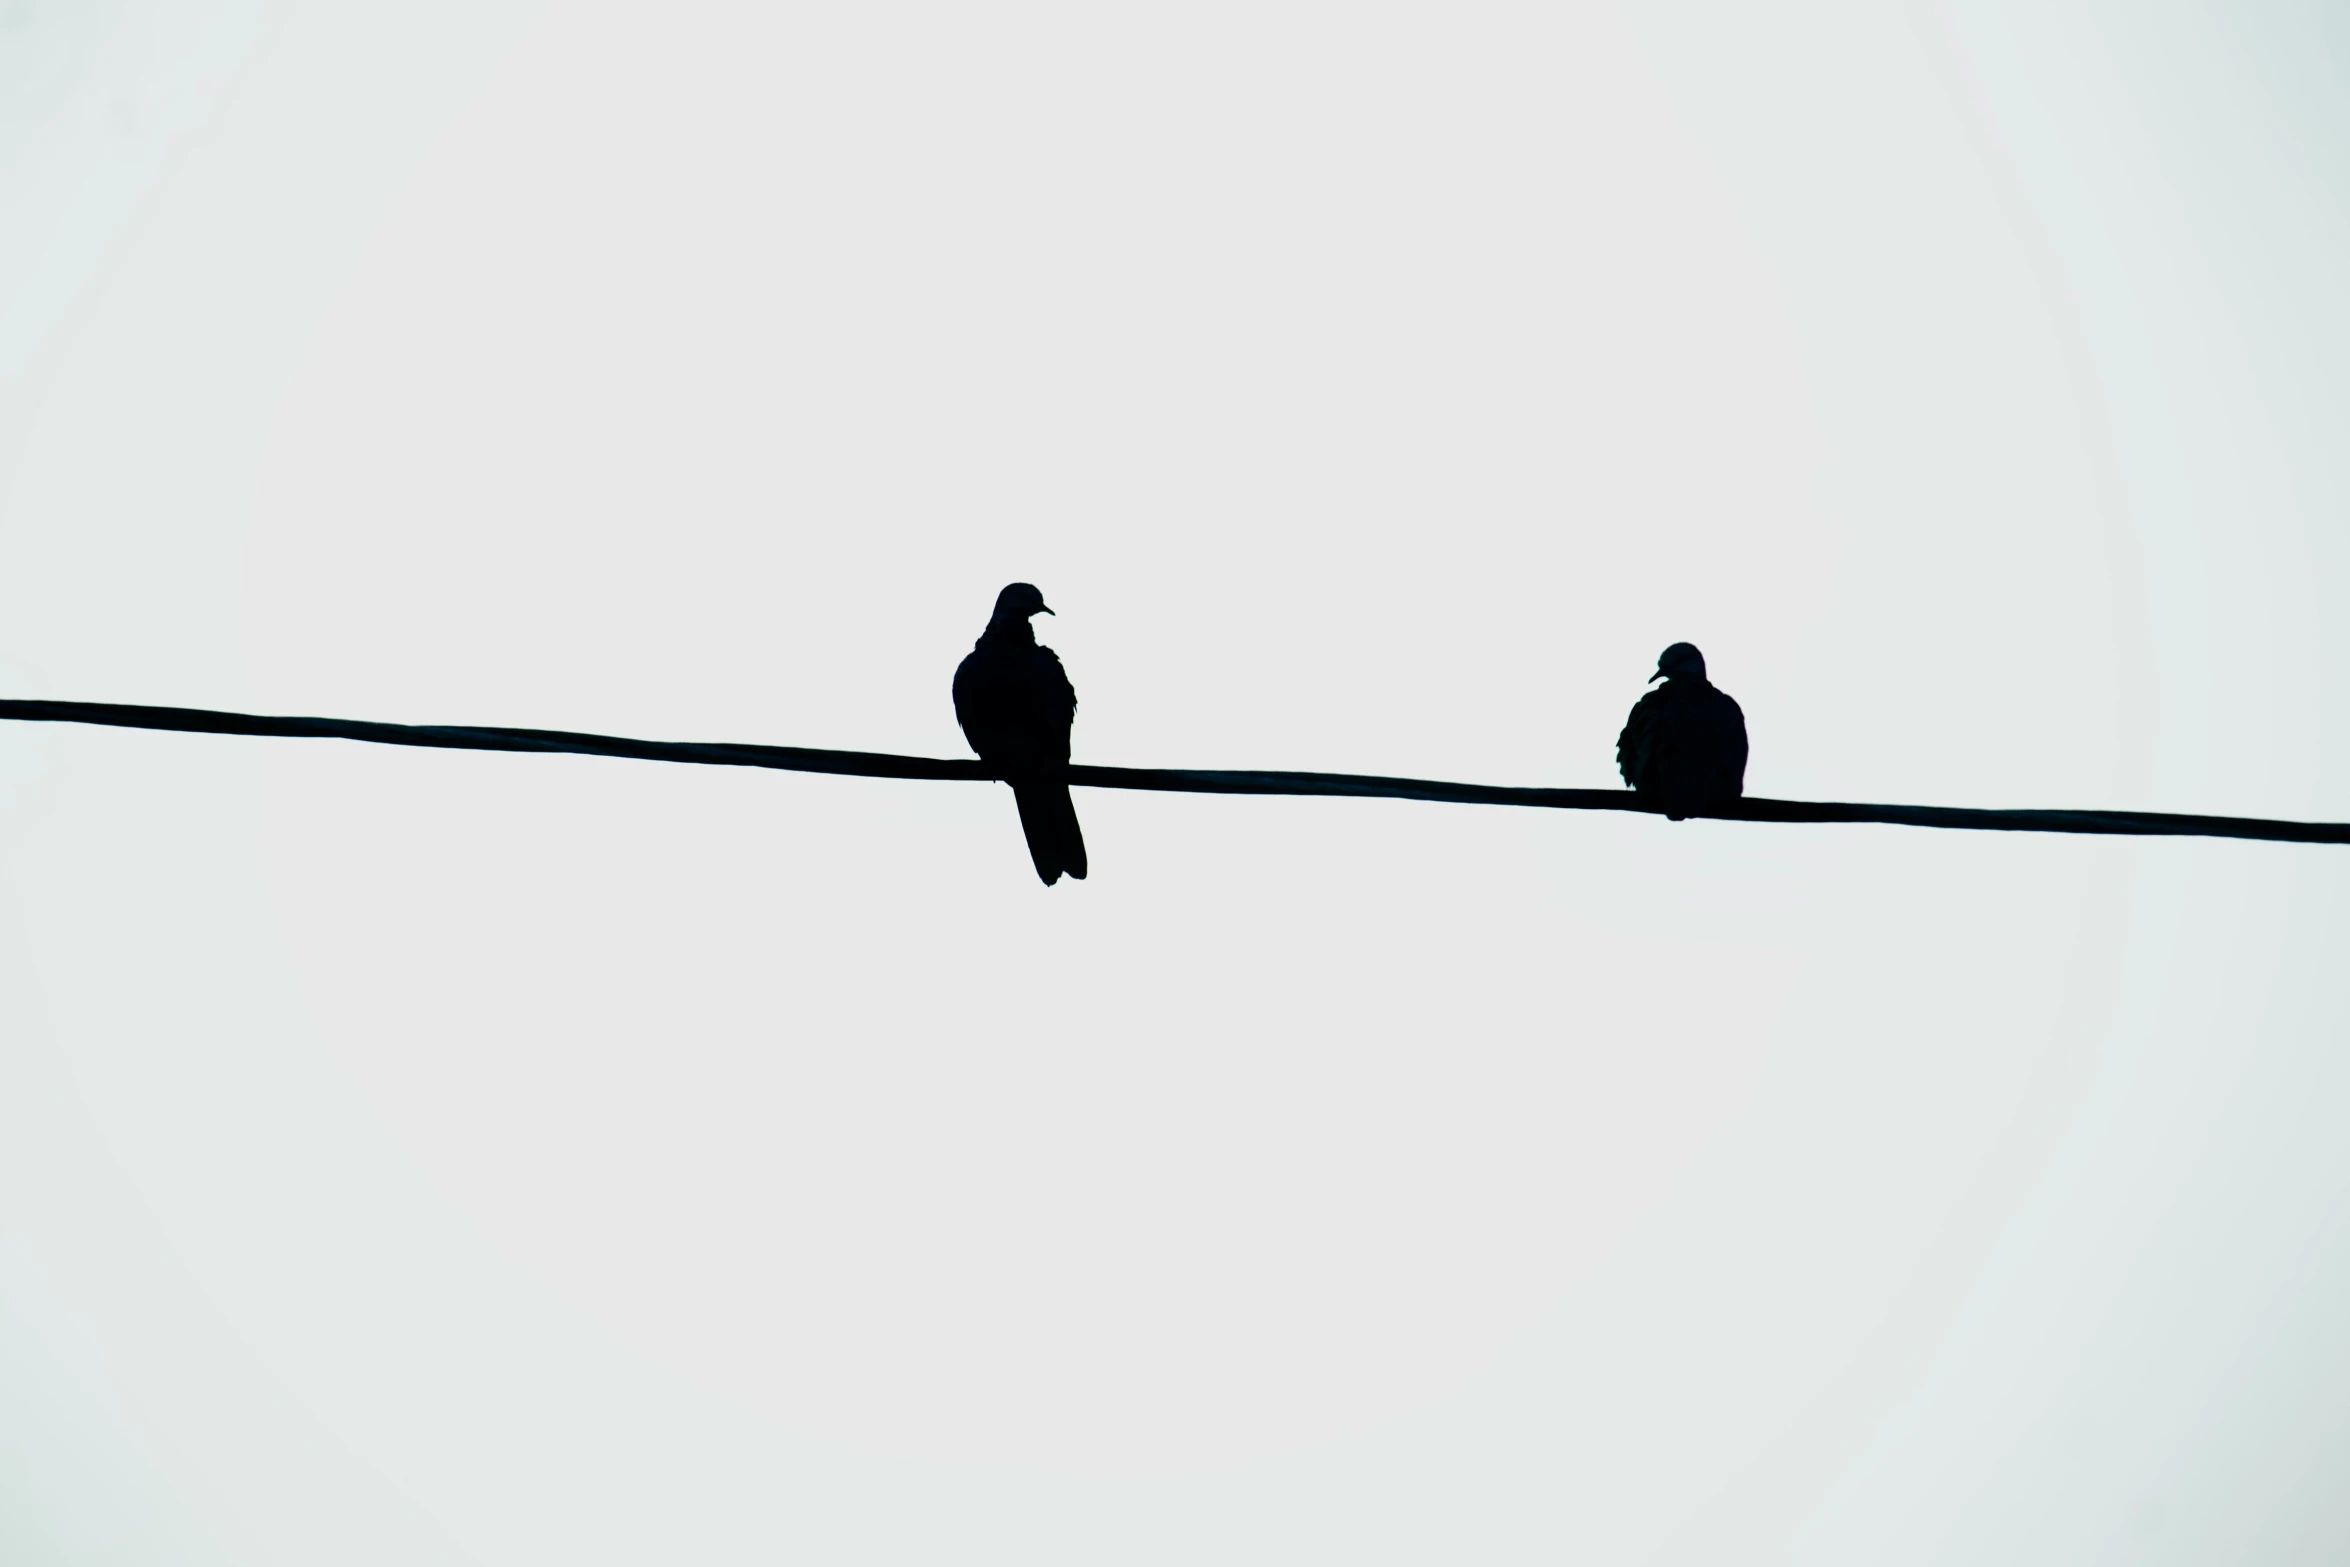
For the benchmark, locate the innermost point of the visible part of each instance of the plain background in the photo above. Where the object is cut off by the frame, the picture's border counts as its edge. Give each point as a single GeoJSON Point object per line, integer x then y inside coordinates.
{"type": "Point", "coordinates": [432, 1157]}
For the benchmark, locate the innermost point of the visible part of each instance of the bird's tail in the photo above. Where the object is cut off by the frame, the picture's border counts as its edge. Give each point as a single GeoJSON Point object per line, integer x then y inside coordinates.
{"type": "Point", "coordinates": [1049, 817]}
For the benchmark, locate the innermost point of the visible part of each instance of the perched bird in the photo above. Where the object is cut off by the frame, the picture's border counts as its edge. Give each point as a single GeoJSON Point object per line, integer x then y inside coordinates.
{"type": "Point", "coordinates": [1685, 743]}
{"type": "Point", "coordinates": [1015, 704]}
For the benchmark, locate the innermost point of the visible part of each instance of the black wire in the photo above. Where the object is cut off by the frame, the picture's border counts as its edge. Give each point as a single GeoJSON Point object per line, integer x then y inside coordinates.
{"type": "Point", "coordinates": [875, 764]}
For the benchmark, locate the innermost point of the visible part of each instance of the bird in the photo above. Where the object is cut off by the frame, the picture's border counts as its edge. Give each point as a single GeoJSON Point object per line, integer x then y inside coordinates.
{"type": "Point", "coordinates": [1685, 742]}
{"type": "Point", "coordinates": [1016, 705]}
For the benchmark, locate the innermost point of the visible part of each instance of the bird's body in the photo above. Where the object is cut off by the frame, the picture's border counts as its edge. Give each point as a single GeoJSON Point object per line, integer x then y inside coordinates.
{"type": "Point", "coordinates": [1685, 742]}
{"type": "Point", "coordinates": [1016, 707]}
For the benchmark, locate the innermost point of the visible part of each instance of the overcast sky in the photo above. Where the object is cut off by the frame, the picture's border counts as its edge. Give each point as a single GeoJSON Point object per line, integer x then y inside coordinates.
{"type": "Point", "coordinates": [413, 1156]}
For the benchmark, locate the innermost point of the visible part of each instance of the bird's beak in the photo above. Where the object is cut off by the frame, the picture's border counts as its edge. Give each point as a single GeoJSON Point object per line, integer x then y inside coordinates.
{"type": "Point", "coordinates": [1046, 609]}
{"type": "Point", "coordinates": [1653, 679]}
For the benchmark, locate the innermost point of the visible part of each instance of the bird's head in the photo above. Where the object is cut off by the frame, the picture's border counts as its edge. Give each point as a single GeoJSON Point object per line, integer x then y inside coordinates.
{"type": "Point", "coordinates": [1681, 661]}
{"type": "Point", "coordinates": [1019, 601]}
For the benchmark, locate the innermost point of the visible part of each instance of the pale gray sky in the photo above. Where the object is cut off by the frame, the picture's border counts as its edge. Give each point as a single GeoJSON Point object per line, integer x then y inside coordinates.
{"type": "Point", "coordinates": [417, 1157]}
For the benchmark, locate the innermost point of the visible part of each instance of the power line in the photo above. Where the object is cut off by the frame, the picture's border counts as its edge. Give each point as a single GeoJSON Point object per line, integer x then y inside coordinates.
{"type": "Point", "coordinates": [875, 764]}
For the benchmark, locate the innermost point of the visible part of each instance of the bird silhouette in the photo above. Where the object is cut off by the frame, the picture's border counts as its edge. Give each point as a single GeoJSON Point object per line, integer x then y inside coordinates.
{"type": "Point", "coordinates": [1015, 704]}
{"type": "Point", "coordinates": [1685, 743]}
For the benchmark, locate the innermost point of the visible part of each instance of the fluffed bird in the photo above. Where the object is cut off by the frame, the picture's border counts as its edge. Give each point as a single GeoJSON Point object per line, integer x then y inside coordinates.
{"type": "Point", "coordinates": [1685, 743]}
{"type": "Point", "coordinates": [1015, 704]}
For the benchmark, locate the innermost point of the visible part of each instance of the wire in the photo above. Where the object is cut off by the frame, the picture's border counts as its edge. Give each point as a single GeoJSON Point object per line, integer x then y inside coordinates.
{"type": "Point", "coordinates": [875, 764]}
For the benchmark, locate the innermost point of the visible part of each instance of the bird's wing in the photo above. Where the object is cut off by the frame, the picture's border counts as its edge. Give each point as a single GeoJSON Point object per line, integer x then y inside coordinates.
{"type": "Point", "coordinates": [1731, 721]}
{"type": "Point", "coordinates": [1632, 745]}
{"type": "Point", "coordinates": [967, 697]}
{"type": "Point", "coordinates": [991, 706]}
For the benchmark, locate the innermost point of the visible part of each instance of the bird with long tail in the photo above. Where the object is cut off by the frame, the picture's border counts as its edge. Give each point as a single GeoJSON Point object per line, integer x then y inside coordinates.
{"type": "Point", "coordinates": [1016, 707]}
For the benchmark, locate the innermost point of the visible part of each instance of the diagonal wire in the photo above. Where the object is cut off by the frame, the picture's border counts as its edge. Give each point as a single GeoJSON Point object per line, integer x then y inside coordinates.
{"type": "Point", "coordinates": [876, 764]}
